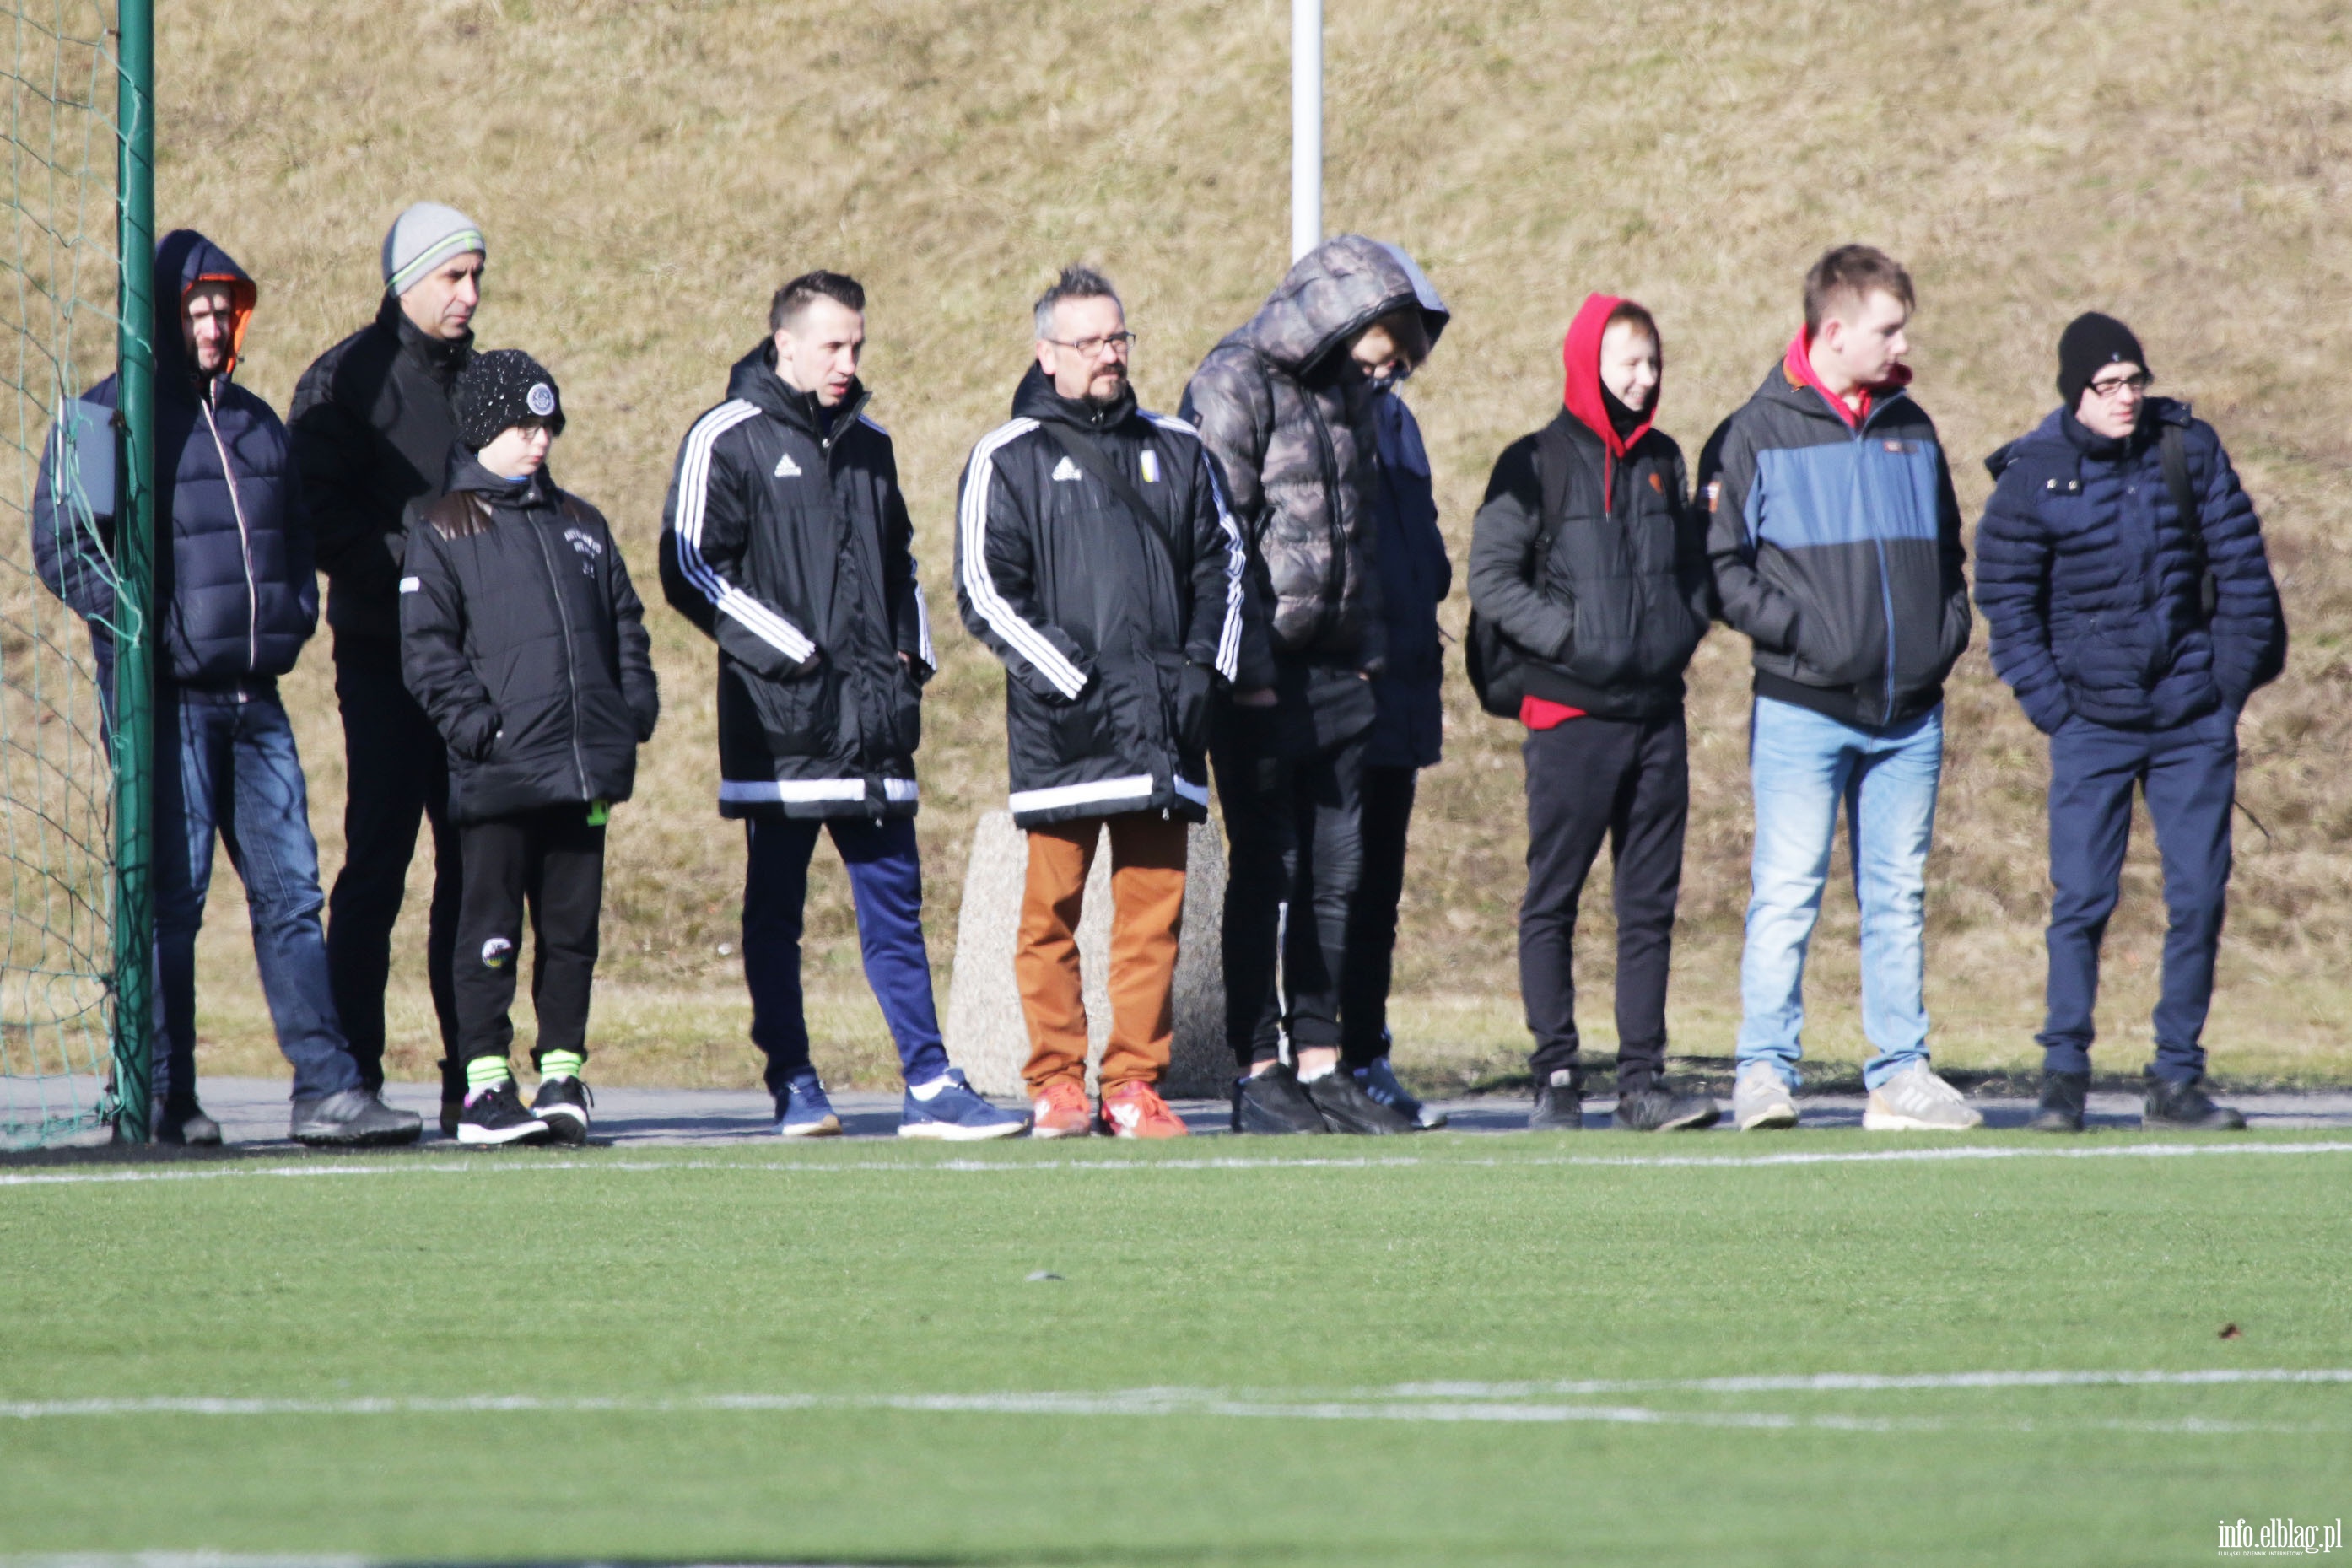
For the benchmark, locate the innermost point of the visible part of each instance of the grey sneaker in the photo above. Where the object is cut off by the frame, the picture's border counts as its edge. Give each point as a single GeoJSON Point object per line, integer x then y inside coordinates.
{"type": "Point", "coordinates": [1760, 1099]}
{"type": "Point", "coordinates": [1915, 1100]}
{"type": "Point", "coordinates": [352, 1119]}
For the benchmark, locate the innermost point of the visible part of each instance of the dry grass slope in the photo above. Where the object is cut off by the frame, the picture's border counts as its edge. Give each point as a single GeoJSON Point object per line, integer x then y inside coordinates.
{"type": "Point", "coordinates": [648, 172]}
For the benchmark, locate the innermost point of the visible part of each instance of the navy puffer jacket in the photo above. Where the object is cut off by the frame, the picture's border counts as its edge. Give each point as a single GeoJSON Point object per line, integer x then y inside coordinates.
{"type": "Point", "coordinates": [236, 589]}
{"type": "Point", "coordinates": [2094, 584]}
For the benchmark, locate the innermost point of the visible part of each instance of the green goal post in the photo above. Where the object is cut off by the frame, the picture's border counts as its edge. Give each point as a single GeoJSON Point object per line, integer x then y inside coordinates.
{"type": "Point", "coordinates": [76, 285]}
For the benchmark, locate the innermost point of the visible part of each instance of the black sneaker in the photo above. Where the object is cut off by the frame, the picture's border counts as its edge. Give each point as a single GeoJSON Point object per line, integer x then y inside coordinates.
{"type": "Point", "coordinates": [1347, 1109]}
{"type": "Point", "coordinates": [563, 1103]}
{"type": "Point", "coordinates": [496, 1116]}
{"type": "Point", "coordinates": [189, 1126]}
{"type": "Point", "coordinates": [2062, 1096]}
{"type": "Point", "coordinates": [352, 1118]}
{"type": "Point", "coordinates": [1273, 1103]}
{"type": "Point", "coordinates": [2185, 1104]}
{"type": "Point", "coordinates": [1560, 1105]}
{"type": "Point", "coordinates": [1658, 1110]}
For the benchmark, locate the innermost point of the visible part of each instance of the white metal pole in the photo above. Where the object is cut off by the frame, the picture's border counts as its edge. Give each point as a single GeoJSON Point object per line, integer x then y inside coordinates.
{"type": "Point", "coordinates": [1305, 126]}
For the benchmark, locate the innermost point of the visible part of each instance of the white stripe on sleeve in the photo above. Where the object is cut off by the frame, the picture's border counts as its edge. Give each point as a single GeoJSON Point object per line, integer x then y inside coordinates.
{"type": "Point", "coordinates": [693, 498]}
{"type": "Point", "coordinates": [971, 521]}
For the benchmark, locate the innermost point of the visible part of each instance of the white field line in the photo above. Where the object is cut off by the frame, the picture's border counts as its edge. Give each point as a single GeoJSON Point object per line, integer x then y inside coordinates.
{"type": "Point", "coordinates": [1193, 1402]}
{"type": "Point", "coordinates": [1866, 1382]}
{"type": "Point", "coordinates": [523, 1162]}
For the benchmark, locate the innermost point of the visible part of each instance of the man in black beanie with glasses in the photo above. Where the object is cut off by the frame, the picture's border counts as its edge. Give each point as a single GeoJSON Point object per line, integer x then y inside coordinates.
{"type": "Point", "coordinates": [2133, 613]}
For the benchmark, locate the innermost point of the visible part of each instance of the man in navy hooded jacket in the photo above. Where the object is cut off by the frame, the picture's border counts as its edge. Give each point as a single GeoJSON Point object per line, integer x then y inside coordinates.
{"type": "Point", "coordinates": [235, 599]}
{"type": "Point", "coordinates": [2133, 612]}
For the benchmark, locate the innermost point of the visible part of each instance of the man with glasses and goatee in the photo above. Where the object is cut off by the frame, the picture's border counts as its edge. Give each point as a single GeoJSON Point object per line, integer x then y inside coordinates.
{"type": "Point", "coordinates": [1094, 556]}
{"type": "Point", "coordinates": [2133, 612]}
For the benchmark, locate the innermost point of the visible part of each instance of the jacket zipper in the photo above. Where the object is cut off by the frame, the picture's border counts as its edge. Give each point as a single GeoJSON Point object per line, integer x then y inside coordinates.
{"type": "Point", "coordinates": [571, 673]}
{"type": "Point", "coordinates": [1336, 580]}
{"type": "Point", "coordinates": [1885, 583]}
{"type": "Point", "coordinates": [835, 515]}
{"type": "Point", "coordinates": [244, 540]}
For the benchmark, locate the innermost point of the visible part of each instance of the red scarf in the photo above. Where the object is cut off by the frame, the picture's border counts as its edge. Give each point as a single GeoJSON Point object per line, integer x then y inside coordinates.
{"type": "Point", "coordinates": [1799, 368]}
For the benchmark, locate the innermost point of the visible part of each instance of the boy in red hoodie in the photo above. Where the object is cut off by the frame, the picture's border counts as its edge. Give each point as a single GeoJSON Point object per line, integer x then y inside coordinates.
{"type": "Point", "coordinates": [1589, 562]}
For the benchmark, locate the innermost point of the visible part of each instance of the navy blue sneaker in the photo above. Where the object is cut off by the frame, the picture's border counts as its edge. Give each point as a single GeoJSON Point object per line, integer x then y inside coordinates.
{"type": "Point", "coordinates": [804, 1111]}
{"type": "Point", "coordinates": [1378, 1079]}
{"type": "Point", "coordinates": [956, 1113]}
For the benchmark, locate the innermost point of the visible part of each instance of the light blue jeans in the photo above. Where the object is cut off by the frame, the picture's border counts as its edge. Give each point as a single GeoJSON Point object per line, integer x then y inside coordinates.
{"type": "Point", "coordinates": [1801, 764]}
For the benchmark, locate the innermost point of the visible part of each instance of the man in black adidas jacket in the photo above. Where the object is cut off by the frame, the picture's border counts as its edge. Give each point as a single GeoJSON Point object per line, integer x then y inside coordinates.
{"type": "Point", "coordinates": [1094, 556]}
{"type": "Point", "coordinates": [786, 539]}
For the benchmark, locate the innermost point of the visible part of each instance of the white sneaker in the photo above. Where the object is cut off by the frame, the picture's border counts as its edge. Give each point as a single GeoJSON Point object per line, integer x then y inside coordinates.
{"type": "Point", "coordinates": [1760, 1099]}
{"type": "Point", "coordinates": [1915, 1100]}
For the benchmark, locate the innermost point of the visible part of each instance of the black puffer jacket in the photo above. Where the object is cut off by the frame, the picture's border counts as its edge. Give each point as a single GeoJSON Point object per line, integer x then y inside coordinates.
{"type": "Point", "coordinates": [1607, 618]}
{"type": "Point", "coordinates": [1289, 420]}
{"type": "Point", "coordinates": [1112, 638]}
{"type": "Point", "coordinates": [373, 432]}
{"type": "Point", "coordinates": [786, 539]}
{"type": "Point", "coordinates": [522, 637]}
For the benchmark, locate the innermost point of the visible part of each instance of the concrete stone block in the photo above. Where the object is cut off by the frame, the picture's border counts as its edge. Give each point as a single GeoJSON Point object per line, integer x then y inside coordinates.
{"type": "Point", "coordinates": [986, 1034]}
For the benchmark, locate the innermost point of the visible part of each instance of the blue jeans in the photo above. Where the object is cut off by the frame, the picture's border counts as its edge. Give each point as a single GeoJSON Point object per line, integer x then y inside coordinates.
{"type": "Point", "coordinates": [886, 880]}
{"type": "Point", "coordinates": [2189, 774]}
{"type": "Point", "coordinates": [225, 765]}
{"type": "Point", "coordinates": [1802, 764]}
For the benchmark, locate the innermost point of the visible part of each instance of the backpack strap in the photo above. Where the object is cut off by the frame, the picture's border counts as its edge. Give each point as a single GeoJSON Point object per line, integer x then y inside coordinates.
{"type": "Point", "coordinates": [1087, 455]}
{"type": "Point", "coordinates": [2174, 448]}
{"type": "Point", "coordinates": [1555, 467]}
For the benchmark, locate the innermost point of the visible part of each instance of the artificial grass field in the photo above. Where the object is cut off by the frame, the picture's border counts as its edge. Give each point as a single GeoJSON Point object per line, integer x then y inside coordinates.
{"type": "Point", "coordinates": [1280, 1296]}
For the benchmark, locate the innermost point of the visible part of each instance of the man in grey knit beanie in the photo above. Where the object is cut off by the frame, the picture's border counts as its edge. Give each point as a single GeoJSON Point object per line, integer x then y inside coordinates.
{"type": "Point", "coordinates": [373, 427]}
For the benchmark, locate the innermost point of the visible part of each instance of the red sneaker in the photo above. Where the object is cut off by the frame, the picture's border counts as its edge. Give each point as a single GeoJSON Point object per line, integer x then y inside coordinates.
{"type": "Point", "coordinates": [1137, 1111]}
{"type": "Point", "coordinates": [1061, 1112]}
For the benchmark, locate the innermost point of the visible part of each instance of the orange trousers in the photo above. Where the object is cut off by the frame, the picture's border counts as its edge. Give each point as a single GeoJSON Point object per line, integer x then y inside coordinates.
{"type": "Point", "coordinates": [1147, 892]}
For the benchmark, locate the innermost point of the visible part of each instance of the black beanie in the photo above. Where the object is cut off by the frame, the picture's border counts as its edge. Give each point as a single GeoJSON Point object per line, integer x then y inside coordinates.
{"type": "Point", "coordinates": [500, 390]}
{"type": "Point", "coordinates": [2091, 343]}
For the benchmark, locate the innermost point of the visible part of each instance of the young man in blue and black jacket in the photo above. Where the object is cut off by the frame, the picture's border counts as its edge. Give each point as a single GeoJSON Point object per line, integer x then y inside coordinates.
{"type": "Point", "coordinates": [1835, 542]}
{"type": "Point", "coordinates": [236, 599]}
{"type": "Point", "coordinates": [2133, 612]}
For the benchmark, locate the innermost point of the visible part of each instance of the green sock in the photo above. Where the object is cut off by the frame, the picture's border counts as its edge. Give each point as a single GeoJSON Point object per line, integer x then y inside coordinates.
{"type": "Point", "coordinates": [561, 1063]}
{"type": "Point", "coordinates": [486, 1072]}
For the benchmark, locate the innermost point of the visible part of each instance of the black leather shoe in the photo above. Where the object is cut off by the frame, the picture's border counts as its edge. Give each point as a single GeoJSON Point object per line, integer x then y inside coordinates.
{"type": "Point", "coordinates": [1664, 1111]}
{"type": "Point", "coordinates": [1560, 1105]}
{"type": "Point", "coordinates": [1273, 1103]}
{"type": "Point", "coordinates": [2185, 1104]}
{"type": "Point", "coordinates": [2061, 1110]}
{"type": "Point", "coordinates": [1347, 1109]}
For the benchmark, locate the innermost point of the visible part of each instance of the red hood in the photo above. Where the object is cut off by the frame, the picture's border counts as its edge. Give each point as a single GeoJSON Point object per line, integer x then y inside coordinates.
{"type": "Point", "coordinates": [1580, 357]}
{"type": "Point", "coordinates": [1799, 367]}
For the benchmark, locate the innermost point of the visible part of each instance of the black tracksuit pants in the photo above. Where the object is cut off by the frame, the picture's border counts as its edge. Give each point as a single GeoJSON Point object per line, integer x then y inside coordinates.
{"type": "Point", "coordinates": [551, 861]}
{"type": "Point", "coordinates": [1373, 918]}
{"type": "Point", "coordinates": [1294, 832]}
{"type": "Point", "coordinates": [1627, 782]}
{"type": "Point", "coordinates": [395, 772]}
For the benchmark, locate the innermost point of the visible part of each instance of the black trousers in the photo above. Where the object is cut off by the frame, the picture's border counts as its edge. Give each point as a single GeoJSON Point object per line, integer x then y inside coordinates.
{"type": "Point", "coordinates": [551, 861]}
{"type": "Point", "coordinates": [1627, 782]}
{"type": "Point", "coordinates": [395, 771]}
{"type": "Point", "coordinates": [1294, 827]}
{"type": "Point", "coordinates": [1373, 918]}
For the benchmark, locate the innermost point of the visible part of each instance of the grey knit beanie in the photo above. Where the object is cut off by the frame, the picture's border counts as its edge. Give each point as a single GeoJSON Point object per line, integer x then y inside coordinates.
{"type": "Point", "coordinates": [422, 238]}
{"type": "Point", "coordinates": [500, 390]}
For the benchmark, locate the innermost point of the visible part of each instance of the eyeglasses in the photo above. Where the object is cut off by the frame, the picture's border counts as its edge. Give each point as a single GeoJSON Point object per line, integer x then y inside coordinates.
{"type": "Point", "coordinates": [1118, 343]}
{"type": "Point", "coordinates": [2114, 385]}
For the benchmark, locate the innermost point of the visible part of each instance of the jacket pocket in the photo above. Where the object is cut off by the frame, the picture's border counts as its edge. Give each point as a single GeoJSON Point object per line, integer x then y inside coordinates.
{"type": "Point", "coordinates": [906, 711]}
{"type": "Point", "coordinates": [799, 714]}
